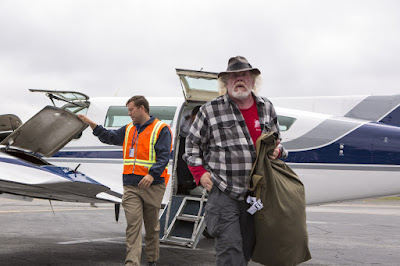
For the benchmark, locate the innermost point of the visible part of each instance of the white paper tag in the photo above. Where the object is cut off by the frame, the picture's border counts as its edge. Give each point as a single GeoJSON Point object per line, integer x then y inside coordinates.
{"type": "Point", "coordinates": [256, 205]}
{"type": "Point", "coordinates": [132, 152]}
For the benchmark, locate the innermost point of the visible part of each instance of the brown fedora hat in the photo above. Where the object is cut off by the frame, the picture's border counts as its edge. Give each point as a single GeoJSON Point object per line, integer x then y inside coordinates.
{"type": "Point", "coordinates": [238, 64]}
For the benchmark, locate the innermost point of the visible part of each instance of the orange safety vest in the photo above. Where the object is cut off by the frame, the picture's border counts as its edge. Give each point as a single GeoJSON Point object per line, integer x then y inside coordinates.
{"type": "Point", "coordinates": [144, 156]}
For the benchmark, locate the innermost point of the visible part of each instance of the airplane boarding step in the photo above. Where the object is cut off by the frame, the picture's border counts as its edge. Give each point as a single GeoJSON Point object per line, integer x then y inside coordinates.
{"type": "Point", "coordinates": [186, 221]}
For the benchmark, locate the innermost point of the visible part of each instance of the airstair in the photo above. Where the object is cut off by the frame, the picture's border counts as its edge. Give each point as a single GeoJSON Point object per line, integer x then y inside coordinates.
{"type": "Point", "coordinates": [185, 216]}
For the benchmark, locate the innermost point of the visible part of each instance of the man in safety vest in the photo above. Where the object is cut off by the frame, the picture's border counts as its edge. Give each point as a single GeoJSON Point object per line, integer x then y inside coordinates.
{"type": "Point", "coordinates": [146, 149]}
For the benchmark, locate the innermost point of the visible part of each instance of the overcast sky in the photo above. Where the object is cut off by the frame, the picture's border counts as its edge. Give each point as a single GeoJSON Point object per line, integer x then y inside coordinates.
{"type": "Point", "coordinates": [123, 48]}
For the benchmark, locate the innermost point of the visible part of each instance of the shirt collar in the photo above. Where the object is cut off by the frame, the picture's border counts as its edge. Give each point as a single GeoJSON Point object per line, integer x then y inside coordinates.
{"type": "Point", "coordinates": [227, 100]}
{"type": "Point", "coordinates": [148, 122]}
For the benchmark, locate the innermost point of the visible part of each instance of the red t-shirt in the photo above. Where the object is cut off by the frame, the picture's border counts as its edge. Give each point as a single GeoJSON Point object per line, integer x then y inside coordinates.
{"type": "Point", "coordinates": [253, 124]}
{"type": "Point", "coordinates": [252, 121]}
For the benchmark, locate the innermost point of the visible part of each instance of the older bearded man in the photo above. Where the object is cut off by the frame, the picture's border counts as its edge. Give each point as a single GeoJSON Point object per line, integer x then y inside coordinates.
{"type": "Point", "coordinates": [220, 152]}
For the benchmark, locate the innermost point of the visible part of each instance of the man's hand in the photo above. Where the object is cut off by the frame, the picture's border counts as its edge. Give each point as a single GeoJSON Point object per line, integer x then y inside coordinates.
{"type": "Point", "coordinates": [276, 152]}
{"type": "Point", "coordinates": [146, 181]}
{"type": "Point", "coordinates": [206, 182]}
{"type": "Point", "coordinates": [86, 120]}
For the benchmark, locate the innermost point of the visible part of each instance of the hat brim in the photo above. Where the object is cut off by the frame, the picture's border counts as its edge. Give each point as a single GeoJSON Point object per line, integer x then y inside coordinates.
{"type": "Point", "coordinates": [253, 70]}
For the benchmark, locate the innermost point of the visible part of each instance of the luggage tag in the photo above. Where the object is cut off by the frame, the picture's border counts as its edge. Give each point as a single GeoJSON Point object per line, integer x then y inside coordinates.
{"type": "Point", "coordinates": [134, 139]}
{"type": "Point", "coordinates": [256, 204]}
{"type": "Point", "coordinates": [132, 152]}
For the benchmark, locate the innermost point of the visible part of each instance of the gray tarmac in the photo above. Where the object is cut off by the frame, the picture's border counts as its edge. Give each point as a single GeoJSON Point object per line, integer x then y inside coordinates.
{"type": "Point", "coordinates": [365, 232]}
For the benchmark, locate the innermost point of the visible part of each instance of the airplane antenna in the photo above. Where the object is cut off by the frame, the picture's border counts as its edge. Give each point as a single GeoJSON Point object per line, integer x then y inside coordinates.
{"type": "Point", "coordinates": [51, 205]}
{"type": "Point", "coordinates": [76, 168]}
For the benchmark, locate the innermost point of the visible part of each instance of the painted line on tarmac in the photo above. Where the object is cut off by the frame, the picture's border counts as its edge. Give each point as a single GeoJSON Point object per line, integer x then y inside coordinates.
{"type": "Point", "coordinates": [372, 211]}
{"type": "Point", "coordinates": [108, 240]}
{"type": "Point", "coordinates": [57, 210]}
{"type": "Point", "coordinates": [316, 222]}
{"type": "Point", "coordinates": [379, 204]}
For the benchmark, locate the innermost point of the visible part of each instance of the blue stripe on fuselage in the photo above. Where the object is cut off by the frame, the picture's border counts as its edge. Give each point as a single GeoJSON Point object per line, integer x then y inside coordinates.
{"type": "Point", "coordinates": [63, 172]}
{"type": "Point", "coordinates": [372, 143]}
{"type": "Point", "coordinates": [102, 154]}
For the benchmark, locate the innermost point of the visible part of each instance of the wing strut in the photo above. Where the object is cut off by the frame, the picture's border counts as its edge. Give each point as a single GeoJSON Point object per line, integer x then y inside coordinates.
{"type": "Point", "coordinates": [51, 205]}
{"type": "Point", "coordinates": [117, 208]}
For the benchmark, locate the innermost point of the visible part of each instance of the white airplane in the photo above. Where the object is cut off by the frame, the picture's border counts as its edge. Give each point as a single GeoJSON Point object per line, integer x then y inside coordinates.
{"type": "Point", "coordinates": [342, 148]}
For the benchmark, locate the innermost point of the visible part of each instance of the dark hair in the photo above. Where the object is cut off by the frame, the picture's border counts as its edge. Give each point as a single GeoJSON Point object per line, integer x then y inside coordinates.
{"type": "Point", "coordinates": [138, 101]}
{"type": "Point", "coordinates": [195, 110]}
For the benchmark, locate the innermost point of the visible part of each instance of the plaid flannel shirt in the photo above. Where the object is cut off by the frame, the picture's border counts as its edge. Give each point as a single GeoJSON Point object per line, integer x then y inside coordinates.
{"type": "Point", "coordinates": [220, 141]}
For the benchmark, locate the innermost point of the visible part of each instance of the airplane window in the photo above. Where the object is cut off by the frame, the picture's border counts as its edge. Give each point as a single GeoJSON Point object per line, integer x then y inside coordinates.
{"type": "Point", "coordinates": [202, 84]}
{"type": "Point", "coordinates": [117, 116]}
{"type": "Point", "coordinates": [164, 113]}
{"type": "Point", "coordinates": [77, 109]}
{"type": "Point", "coordinates": [285, 122]}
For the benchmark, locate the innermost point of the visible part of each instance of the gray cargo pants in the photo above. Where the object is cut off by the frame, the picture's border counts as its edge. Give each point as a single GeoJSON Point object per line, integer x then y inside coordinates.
{"type": "Point", "coordinates": [232, 226]}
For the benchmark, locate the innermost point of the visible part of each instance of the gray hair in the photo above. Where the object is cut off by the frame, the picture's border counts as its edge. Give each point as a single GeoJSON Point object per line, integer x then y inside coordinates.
{"type": "Point", "coordinates": [223, 80]}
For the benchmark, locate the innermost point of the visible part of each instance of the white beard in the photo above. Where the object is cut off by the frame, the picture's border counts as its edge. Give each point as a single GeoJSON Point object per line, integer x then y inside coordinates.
{"type": "Point", "coordinates": [240, 94]}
